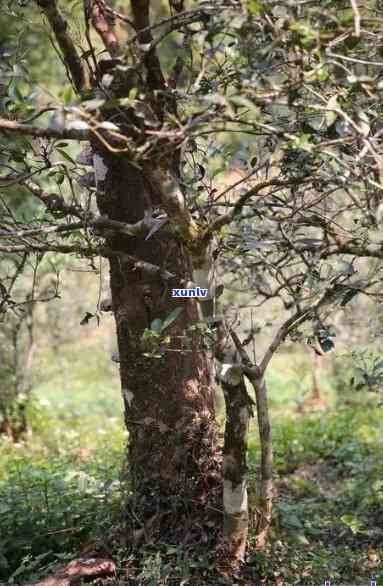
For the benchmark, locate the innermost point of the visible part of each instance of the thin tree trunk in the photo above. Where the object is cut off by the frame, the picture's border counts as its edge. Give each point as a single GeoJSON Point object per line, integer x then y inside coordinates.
{"type": "Point", "coordinates": [266, 480]}
{"type": "Point", "coordinates": [314, 401]}
{"type": "Point", "coordinates": [15, 423]}
{"type": "Point", "coordinates": [316, 372]}
{"type": "Point", "coordinates": [235, 481]}
{"type": "Point", "coordinates": [6, 428]}
{"type": "Point", "coordinates": [169, 400]}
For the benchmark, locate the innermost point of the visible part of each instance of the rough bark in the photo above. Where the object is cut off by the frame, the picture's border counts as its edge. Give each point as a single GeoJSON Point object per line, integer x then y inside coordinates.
{"type": "Point", "coordinates": [169, 400]}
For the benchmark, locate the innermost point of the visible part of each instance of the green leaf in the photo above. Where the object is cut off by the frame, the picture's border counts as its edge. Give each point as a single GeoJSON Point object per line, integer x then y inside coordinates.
{"type": "Point", "coordinates": [351, 522]}
{"type": "Point", "coordinates": [68, 95]}
{"type": "Point", "coordinates": [331, 116]}
{"type": "Point", "coordinates": [59, 178]}
{"type": "Point", "coordinates": [66, 156]}
{"type": "Point", "coordinates": [18, 93]}
{"type": "Point", "coordinates": [254, 7]}
{"type": "Point", "coordinates": [302, 141]}
{"type": "Point", "coordinates": [91, 105]}
{"type": "Point", "coordinates": [156, 325]}
{"type": "Point", "coordinates": [242, 101]}
{"type": "Point", "coordinates": [169, 319]}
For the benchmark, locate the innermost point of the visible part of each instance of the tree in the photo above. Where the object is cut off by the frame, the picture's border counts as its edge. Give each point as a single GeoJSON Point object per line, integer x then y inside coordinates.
{"type": "Point", "coordinates": [291, 92]}
{"type": "Point", "coordinates": [16, 354]}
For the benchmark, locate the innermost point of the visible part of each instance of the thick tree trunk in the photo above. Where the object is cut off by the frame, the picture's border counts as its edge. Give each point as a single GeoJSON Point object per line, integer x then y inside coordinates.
{"type": "Point", "coordinates": [169, 399]}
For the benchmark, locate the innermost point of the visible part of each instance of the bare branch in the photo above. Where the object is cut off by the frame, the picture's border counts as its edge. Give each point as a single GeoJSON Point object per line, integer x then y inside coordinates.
{"type": "Point", "coordinates": [176, 21]}
{"type": "Point", "coordinates": [355, 10]}
{"type": "Point", "coordinates": [53, 201]}
{"type": "Point", "coordinates": [106, 136]}
{"type": "Point", "coordinates": [354, 59]}
{"type": "Point", "coordinates": [146, 226]}
{"type": "Point", "coordinates": [242, 201]}
{"type": "Point", "coordinates": [49, 247]}
{"type": "Point", "coordinates": [298, 318]}
{"type": "Point", "coordinates": [149, 269]}
{"type": "Point", "coordinates": [4, 234]}
{"type": "Point", "coordinates": [29, 130]}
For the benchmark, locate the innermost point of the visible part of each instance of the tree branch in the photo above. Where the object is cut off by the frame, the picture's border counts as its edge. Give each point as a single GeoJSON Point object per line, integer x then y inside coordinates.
{"type": "Point", "coordinates": [116, 14]}
{"type": "Point", "coordinates": [29, 130]}
{"type": "Point", "coordinates": [103, 27]}
{"type": "Point", "coordinates": [53, 201]}
{"type": "Point", "coordinates": [140, 9]}
{"type": "Point", "coordinates": [173, 203]}
{"type": "Point", "coordinates": [218, 223]}
{"type": "Point", "coordinates": [296, 319]}
{"type": "Point", "coordinates": [61, 228]}
{"type": "Point", "coordinates": [149, 269]}
{"type": "Point", "coordinates": [59, 26]}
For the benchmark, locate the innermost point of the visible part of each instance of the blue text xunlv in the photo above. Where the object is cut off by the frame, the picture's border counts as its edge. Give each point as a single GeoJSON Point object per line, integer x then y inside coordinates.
{"type": "Point", "coordinates": [195, 292]}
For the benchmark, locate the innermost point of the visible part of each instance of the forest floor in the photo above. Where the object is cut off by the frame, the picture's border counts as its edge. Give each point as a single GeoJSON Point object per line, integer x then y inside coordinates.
{"type": "Point", "coordinates": [61, 489]}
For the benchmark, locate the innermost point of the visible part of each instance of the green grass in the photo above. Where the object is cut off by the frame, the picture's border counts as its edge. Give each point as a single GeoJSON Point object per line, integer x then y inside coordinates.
{"type": "Point", "coordinates": [59, 489]}
{"type": "Point", "coordinates": [63, 487]}
{"type": "Point", "coordinates": [329, 509]}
